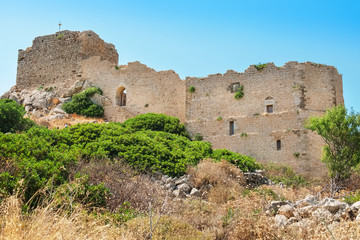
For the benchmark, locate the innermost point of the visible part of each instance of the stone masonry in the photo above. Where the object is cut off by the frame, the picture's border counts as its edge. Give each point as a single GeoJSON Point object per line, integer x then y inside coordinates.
{"type": "Point", "coordinates": [267, 123]}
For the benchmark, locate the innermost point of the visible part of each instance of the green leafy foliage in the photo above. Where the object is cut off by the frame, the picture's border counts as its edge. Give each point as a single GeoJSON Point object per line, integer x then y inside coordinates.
{"type": "Point", "coordinates": [352, 198]}
{"type": "Point", "coordinates": [42, 158]}
{"type": "Point", "coordinates": [283, 173]}
{"type": "Point", "coordinates": [341, 132]}
{"type": "Point", "coordinates": [239, 93]}
{"type": "Point", "coordinates": [260, 66]}
{"type": "Point", "coordinates": [245, 163]}
{"type": "Point", "coordinates": [12, 117]}
{"type": "Point", "coordinates": [157, 122]}
{"type": "Point", "coordinates": [191, 89]}
{"type": "Point", "coordinates": [81, 104]}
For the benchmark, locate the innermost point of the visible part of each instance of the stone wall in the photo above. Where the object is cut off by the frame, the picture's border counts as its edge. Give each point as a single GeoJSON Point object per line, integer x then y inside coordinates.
{"type": "Point", "coordinates": [295, 91]}
{"type": "Point", "coordinates": [146, 89]}
{"type": "Point", "coordinates": [55, 60]}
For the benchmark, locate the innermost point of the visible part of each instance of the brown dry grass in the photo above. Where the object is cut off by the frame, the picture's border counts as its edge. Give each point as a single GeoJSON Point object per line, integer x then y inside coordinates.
{"type": "Point", "coordinates": [60, 123]}
{"type": "Point", "coordinates": [47, 223]}
{"type": "Point", "coordinates": [229, 212]}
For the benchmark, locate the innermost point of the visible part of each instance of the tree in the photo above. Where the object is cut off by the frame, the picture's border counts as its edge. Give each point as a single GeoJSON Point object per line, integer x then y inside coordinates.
{"type": "Point", "coordinates": [12, 117]}
{"type": "Point", "coordinates": [341, 132]}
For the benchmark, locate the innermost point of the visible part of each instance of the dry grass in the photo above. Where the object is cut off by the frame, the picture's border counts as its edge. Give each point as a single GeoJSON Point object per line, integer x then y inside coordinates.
{"type": "Point", "coordinates": [230, 211]}
{"type": "Point", "coordinates": [47, 223]}
{"type": "Point", "coordinates": [169, 227]}
{"type": "Point", "coordinates": [60, 123]}
{"type": "Point", "coordinates": [125, 184]}
{"type": "Point", "coordinates": [209, 172]}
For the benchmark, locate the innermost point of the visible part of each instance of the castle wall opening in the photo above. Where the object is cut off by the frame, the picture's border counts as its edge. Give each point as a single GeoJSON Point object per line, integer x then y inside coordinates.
{"type": "Point", "coordinates": [121, 96]}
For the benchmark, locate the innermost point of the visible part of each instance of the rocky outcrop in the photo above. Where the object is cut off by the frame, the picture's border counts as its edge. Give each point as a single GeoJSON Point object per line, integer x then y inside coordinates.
{"type": "Point", "coordinates": [312, 210]}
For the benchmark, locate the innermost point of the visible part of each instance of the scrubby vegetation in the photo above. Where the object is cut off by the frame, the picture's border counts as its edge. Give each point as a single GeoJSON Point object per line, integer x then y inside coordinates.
{"type": "Point", "coordinates": [11, 117]}
{"type": "Point", "coordinates": [239, 93]}
{"type": "Point", "coordinates": [340, 131]}
{"type": "Point", "coordinates": [41, 157]}
{"type": "Point", "coordinates": [260, 66]}
{"type": "Point", "coordinates": [96, 181]}
{"type": "Point", "coordinates": [284, 174]}
{"type": "Point", "coordinates": [81, 104]}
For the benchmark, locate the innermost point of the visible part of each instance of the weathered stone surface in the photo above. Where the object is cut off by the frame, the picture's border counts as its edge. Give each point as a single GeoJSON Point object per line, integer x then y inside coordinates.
{"type": "Point", "coordinates": [332, 205]}
{"type": "Point", "coordinates": [357, 219]}
{"type": "Point", "coordinates": [179, 193]}
{"type": "Point", "coordinates": [170, 186]}
{"type": "Point", "coordinates": [58, 110]}
{"type": "Point", "coordinates": [308, 200]}
{"type": "Point", "coordinates": [184, 187]}
{"type": "Point", "coordinates": [281, 220]}
{"type": "Point", "coordinates": [275, 205]}
{"type": "Point", "coordinates": [306, 211]}
{"type": "Point", "coordinates": [195, 193]}
{"type": "Point", "coordinates": [355, 208]}
{"type": "Point", "coordinates": [286, 210]}
{"type": "Point", "coordinates": [322, 214]}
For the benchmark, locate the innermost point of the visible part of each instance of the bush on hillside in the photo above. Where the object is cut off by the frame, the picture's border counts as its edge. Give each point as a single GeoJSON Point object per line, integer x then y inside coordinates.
{"type": "Point", "coordinates": [245, 163]}
{"type": "Point", "coordinates": [157, 122]}
{"type": "Point", "coordinates": [42, 158]}
{"type": "Point", "coordinates": [81, 104]}
{"type": "Point", "coordinates": [12, 117]}
{"type": "Point", "coordinates": [282, 173]}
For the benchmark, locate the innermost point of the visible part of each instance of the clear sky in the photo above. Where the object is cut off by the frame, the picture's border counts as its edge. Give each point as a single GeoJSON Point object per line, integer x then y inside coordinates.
{"type": "Point", "coordinates": [197, 37]}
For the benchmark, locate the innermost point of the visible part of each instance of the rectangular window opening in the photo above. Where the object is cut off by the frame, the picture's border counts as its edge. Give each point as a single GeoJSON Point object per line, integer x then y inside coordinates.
{"type": "Point", "coordinates": [232, 128]}
{"type": "Point", "coordinates": [278, 145]}
{"type": "Point", "coordinates": [269, 108]}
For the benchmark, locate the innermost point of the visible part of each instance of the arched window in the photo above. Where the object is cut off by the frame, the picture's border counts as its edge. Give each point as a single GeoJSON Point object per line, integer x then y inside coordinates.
{"type": "Point", "coordinates": [121, 96]}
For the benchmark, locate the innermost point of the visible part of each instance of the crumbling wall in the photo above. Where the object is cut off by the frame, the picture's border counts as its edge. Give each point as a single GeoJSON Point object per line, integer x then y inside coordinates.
{"type": "Point", "coordinates": [55, 60]}
{"type": "Point", "coordinates": [146, 89]}
{"type": "Point", "coordinates": [295, 91]}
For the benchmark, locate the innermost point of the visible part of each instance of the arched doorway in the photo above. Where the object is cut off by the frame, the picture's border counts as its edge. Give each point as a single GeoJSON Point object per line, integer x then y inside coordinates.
{"type": "Point", "coordinates": [121, 96]}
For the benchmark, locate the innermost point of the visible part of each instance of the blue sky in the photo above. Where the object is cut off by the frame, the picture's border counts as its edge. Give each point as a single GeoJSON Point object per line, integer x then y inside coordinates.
{"type": "Point", "coordinates": [197, 37]}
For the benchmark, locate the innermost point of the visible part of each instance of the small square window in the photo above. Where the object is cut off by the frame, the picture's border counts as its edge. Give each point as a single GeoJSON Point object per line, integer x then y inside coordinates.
{"type": "Point", "coordinates": [270, 108]}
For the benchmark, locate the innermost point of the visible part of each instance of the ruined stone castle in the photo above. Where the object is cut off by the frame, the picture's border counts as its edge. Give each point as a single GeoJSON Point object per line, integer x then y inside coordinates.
{"type": "Point", "coordinates": [267, 123]}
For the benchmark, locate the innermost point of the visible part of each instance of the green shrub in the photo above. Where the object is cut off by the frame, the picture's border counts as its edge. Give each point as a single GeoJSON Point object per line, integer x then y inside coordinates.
{"type": "Point", "coordinates": [191, 89]}
{"type": "Point", "coordinates": [198, 137]}
{"type": "Point", "coordinates": [283, 173]}
{"type": "Point", "coordinates": [42, 158]}
{"type": "Point", "coordinates": [260, 66]}
{"type": "Point", "coordinates": [157, 122]}
{"type": "Point", "coordinates": [60, 36]}
{"type": "Point", "coordinates": [12, 117]}
{"type": "Point", "coordinates": [81, 104]}
{"type": "Point", "coordinates": [245, 163]}
{"type": "Point", "coordinates": [352, 198]}
{"type": "Point", "coordinates": [239, 93]}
